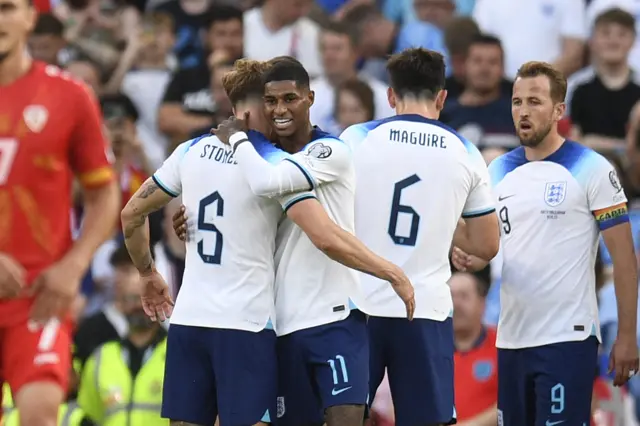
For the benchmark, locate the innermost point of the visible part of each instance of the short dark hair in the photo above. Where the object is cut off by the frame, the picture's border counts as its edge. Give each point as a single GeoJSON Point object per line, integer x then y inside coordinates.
{"type": "Point", "coordinates": [487, 39]}
{"type": "Point", "coordinates": [224, 13]}
{"type": "Point", "coordinates": [616, 16]}
{"type": "Point", "coordinates": [361, 90]}
{"type": "Point", "coordinates": [416, 72]}
{"type": "Point", "coordinates": [459, 34]}
{"type": "Point", "coordinates": [342, 28]}
{"type": "Point", "coordinates": [286, 68]}
{"type": "Point", "coordinates": [244, 82]}
{"type": "Point", "coordinates": [121, 257]}
{"type": "Point", "coordinates": [557, 80]}
{"type": "Point", "coordinates": [48, 24]}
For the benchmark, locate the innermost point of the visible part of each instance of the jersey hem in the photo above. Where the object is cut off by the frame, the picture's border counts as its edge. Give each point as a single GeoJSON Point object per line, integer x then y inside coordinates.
{"type": "Point", "coordinates": [536, 344]}
{"type": "Point", "coordinates": [288, 330]}
{"type": "Point", "coordinates": [225, 326]}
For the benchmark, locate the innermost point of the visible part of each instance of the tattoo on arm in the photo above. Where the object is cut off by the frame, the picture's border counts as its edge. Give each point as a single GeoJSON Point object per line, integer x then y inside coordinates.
{"type": "Point", "coordinates": [149, 189]}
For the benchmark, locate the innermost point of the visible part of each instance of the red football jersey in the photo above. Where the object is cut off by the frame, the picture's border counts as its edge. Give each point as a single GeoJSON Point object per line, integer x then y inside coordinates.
{"type": "Point", "coordinates": [476, 377]}
{"type": "Point", "coordinates": [50, 130]}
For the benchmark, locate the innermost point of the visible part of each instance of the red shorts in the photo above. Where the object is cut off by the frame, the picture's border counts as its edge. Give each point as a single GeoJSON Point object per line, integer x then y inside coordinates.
{"type": "Point", "coordinates": [31, 353]}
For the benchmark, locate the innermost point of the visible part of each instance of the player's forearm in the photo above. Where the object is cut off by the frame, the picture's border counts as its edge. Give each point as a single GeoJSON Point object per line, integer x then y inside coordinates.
{"type": "Point", "coordinates": [625, 276]}
{"type": "Point", "coordinates": [466, 242]}
{"type": "Point", "coordinates": [264, 178]}
{"type": "Point", "coordinates": [145, 201]}
{"type": "Point", "coordinates": [99, 223]}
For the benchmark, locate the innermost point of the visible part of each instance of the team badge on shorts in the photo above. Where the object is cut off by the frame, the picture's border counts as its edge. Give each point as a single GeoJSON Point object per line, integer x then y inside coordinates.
{"type": "Point", "coordinates": [554, 193]}
{"type": "Point", "coordinates": [500, 419]}
{"type": "Point", "coordinates": [280, 408]}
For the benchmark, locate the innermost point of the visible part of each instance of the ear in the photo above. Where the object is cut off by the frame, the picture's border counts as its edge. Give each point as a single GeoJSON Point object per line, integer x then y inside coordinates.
{"type": "Point", "coordinates": [440, 98]}
{"type": "Point", "coordinates": [311, 97]}
{"type": "Point", "coordinates": [560, 110]}
{"type": "Point", "coordinates": [391, 97]}
{"type": "Point", "coordinates": [32, 18]}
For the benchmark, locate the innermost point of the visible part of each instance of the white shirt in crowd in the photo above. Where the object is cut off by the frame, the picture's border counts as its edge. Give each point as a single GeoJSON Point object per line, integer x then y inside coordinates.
{"type": "Point", "coordinates": [415, 178]}
{"type": "Point", "coordinates": [323, 110]}
{"type": "Point", "coordinates": [299, 40]}
{"type": "Point", "coordinates": [549, 242]}
{"type": "Point", "coordinates": [531, 30]}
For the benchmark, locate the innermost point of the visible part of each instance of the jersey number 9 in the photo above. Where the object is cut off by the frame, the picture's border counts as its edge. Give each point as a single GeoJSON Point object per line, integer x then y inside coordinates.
{"type": "Point", "coordinates": [204, 225]}
{"type": "Point", "coordinates": [504, 218]}
{"type": "Point", "coordinates": [397, 208]}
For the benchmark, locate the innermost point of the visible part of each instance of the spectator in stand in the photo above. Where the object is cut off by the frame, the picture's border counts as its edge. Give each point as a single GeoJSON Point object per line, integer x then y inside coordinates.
{"type": "Point", "coordinates": [47, 42]}
{"type": "Point", "coordinates": [88, 72]}
{"type": "Point", "coordinates": [475, 359]}
{"type": "Point", "coordinates": [190, 18]}
{"type": "Point", "coordinates": [223, 105]}
{"type": "Point", "coordinates": [338, 45]}
{"type": "Point", "coordinates": [596, 7]}
{"type": "Point", "coordinates": [458, 36]}
{"type": "Point", "coordinates": [482, 113]}
{"type": "Point", "coordinates": [435, 12]}
{"type": "Point", "coordinates": [538, 30]}
{"type": "Point", "coordinates": [605, 92]}
{"type": "Point", "coordinates": [354, 104]}
{"type": "Point", "coordinates": [281, 28]}
{"type": "Point", "coordinates": [187, 104]}
{"type": "Point", "coordinates": [110, 322]}
{"type": "Point", "coordinates": [142, 75]}
{"type": "Point", "coordinates": [378, 37]}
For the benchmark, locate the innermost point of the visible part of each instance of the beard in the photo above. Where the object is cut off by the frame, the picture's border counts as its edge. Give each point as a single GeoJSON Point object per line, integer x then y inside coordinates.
{"type": "Point", "coordinates": [535, 138]}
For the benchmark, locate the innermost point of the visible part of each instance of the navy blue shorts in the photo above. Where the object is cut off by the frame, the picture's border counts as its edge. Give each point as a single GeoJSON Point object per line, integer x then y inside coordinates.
{"type": "Point", "coordinates": [213, 372]}
{"type": "Point", "coordinates": [321, 367]}
{"type": "Point", "coordinates": [418, 356]}
{"type": "Point", "coordinates": [547, 385]}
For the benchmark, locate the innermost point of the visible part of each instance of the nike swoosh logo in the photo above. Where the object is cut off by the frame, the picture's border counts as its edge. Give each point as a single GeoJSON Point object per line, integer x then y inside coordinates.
{"type": "Point", "coordinates": [335, 392]}
{"type": "Point", "coordinates": [548, 423]}
{"type": "Point", "coordinates": [500, 197]}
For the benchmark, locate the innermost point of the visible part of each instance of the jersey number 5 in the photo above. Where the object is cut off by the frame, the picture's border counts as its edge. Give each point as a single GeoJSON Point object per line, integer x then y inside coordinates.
{"type": "Point", "coordinates": [203, 225]}
{"type": "Point", "coordinates": [397, 208]}
{"type": "Point", "coordinates": [8, 150]}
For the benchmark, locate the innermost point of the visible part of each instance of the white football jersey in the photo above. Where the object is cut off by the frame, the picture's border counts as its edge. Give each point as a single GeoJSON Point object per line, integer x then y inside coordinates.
{"type": "Point", "coordinates": [229, 269]}
{"type": "Point", "coordinates": [415, 178]}
{"type": "Point", "coordinates": [311, 289]}
{"type": "Point", "coordinates": [549, 242]}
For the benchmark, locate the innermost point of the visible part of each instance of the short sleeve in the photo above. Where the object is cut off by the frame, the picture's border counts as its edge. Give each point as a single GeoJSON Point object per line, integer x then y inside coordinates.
{"type": "Point", "coordinates": [324, 161]}
{"type": "Point", "coordinates": [175, 89]}
{"type": "Point", "coordinates": [480, 200]}
{"type": "Point", "coordinates": [90, 155]}
{"type": "Point", "coordinates": [289, 200]}
{"type": "Point", "coordinates": [574, 19]}
{"type": "Point", "coordinates": [605, 194]}
{"type": "Point", "coordinates": [167, 177]}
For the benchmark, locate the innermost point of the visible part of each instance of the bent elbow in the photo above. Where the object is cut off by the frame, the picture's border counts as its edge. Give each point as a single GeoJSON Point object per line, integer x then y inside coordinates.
{"type": "Point", "coordinates": [127, 214]}
{"type": "Point", "coordinates": [490, 249]}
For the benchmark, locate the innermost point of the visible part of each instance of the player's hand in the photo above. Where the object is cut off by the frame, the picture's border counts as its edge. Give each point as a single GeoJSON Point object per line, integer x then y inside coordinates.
{"type": "Point", "coordinates": [464, 262]}
{"type": "Point", "coordinates": [624, 359]}
{"type": "Point", "coordinates": [156, 299]}
{"type": "Point", "coordinates": [180, 223]}
{"type": "Point", "coordinates": [403, 288]}
{"type": "Point", "coordinates": [12, 277]}
{"type": "Point", "coordinates": [230, 126]}
{"type": "Point", "coordinates": [55, 290]}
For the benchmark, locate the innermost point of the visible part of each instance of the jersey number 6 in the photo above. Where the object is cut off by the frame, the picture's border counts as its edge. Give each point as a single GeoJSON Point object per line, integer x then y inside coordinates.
{"type": "Point", "coordinates": [397, 208]}
{"type": "Point", "coordinates": [203, 225]}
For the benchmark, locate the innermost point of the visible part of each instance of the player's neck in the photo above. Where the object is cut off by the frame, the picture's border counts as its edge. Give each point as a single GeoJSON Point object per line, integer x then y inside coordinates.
{"type": "Point", "coordinates": [548, 146]}
{"type": "Point", "coordinates": [425, 109]}
{"type": "Point", "coordinates": [14, 66]}
{"type": "Point", "coordinates": [465, 340]}
{"type": "Point", "coordinates": [298, 140]}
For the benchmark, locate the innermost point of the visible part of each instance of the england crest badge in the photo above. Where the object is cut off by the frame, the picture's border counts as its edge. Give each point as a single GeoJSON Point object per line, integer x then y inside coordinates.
{"type": "Point", "coordinates": [555, 193]}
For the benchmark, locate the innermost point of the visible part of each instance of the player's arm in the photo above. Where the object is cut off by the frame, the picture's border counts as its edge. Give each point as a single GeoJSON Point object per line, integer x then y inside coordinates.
{"type": "Point", "coordinates": [478, 232]}
{"type": "Point", "coordinates": [323, 162]}
{"type": "Point", "coordinates": [155, 193]}
{"type": "Point", "coordinates": [341, 246]}
{"type": "Point", "coordinates": [92, 166]}
{"type": "Point", "coordinates": [608, 203]}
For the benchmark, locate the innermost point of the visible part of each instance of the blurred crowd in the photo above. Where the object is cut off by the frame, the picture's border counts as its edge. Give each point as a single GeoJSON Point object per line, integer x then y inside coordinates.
{"type": "Point", "coordinates": [157, 65]}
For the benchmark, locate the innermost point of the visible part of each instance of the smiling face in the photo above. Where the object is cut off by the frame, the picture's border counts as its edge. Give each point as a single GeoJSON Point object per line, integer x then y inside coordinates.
{"type": "Point", "coordinates": [286, 106]}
